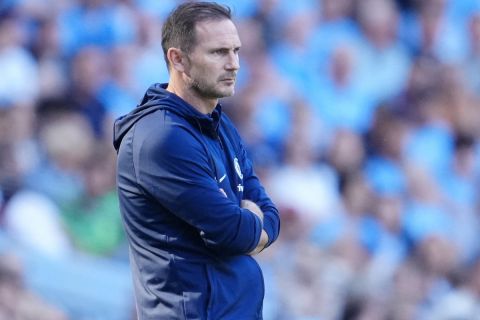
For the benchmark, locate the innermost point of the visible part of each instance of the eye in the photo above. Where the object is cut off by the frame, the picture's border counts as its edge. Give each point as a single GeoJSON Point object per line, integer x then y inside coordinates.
{"type": "Point", "coordinates": [221, 51]}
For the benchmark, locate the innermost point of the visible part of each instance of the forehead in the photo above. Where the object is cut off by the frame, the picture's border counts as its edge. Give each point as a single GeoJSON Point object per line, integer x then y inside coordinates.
{"type": "Point", "coordinates": [217, 33]}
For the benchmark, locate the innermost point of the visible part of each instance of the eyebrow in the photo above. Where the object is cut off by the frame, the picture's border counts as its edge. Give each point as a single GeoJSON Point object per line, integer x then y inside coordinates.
{"type": "Point", "coordinates": [225, 47]}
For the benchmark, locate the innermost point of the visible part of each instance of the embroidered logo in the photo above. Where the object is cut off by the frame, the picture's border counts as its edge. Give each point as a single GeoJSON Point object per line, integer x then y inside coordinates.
{"type": "Point", "coordinates": [222, 178]}
{"type": "Point", "coordinates": [237, 168]}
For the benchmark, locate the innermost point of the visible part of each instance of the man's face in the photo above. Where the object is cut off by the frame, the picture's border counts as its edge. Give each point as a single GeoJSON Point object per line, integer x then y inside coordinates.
{"type": "Point", "coordinates": [213, 63]}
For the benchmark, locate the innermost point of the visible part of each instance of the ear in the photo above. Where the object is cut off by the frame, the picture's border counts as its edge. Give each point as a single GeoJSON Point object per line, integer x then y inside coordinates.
{"type": "Point", "coordinates": [176, 59]}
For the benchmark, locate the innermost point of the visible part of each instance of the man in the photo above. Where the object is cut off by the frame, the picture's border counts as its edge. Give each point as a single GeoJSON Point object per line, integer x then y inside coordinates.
{"type": "Point", "coordinates": [193, 208]}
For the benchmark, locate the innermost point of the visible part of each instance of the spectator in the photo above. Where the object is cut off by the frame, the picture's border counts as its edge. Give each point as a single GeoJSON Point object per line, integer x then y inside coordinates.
{"type": "Point", "coordinates": [381, 51]}
{"type": "Point", "coordinates": [89, 75]}
{"type": "Point", "coordinates": [19, 81]}
{"type": "Point", "coordinates": [92, 220]}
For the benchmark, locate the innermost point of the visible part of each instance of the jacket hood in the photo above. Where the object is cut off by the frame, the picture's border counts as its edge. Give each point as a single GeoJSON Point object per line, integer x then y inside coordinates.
{"type": "Point", "coordinates": [158, 98]}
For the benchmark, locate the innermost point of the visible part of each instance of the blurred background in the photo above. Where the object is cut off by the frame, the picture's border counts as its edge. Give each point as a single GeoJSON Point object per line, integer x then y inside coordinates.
{"type": "Point", "coordinates": [362, 118]}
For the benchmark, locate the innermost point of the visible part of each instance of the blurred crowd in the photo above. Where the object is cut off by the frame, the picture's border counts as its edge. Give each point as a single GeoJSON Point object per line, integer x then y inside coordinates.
{"type": "Point", "coordinates": [362, 118]}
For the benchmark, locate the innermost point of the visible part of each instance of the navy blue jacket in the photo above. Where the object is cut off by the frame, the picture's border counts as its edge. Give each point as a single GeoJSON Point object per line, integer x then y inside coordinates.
{"type": "Point", "coordinates": [188, 242]}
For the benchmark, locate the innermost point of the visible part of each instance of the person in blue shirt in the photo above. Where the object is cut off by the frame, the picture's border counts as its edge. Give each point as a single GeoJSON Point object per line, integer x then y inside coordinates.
{"type": "Point", "coordinates": [194, 211]}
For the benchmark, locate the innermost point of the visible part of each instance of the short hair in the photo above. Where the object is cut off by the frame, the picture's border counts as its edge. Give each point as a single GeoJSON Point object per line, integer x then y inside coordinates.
{"type": "Point", "coordinates": [178, 31]}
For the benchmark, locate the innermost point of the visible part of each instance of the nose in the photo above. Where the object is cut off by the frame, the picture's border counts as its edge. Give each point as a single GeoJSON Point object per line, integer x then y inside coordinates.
{"type": "Point", "coordinates": [233, 63]}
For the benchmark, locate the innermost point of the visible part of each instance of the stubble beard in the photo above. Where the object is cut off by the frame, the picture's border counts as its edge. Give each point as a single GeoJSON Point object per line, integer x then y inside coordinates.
{"type": "Point", "coordinates": [208, 91]}
{"type": "Point", "coordinates": [205, 90]}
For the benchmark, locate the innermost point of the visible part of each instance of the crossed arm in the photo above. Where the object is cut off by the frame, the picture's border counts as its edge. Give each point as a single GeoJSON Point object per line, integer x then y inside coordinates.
{"type": "Point", "coordinates": [180, 179]}
{"type": "Point", "coordinates": [253, 207]}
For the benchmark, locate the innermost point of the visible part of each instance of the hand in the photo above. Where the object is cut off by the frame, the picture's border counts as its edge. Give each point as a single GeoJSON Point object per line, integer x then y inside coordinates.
{"type": "Point", "coordinates": [252, 206]}
{"type": "Point", "coordinates": [261, 244]}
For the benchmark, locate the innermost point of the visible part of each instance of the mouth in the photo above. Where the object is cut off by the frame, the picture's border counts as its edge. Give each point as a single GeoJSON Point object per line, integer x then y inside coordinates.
{"type": "Point", "coordinates": [228, 80]}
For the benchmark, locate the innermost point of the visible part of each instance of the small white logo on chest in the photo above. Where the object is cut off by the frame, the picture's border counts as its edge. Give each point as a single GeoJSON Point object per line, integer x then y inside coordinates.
{"type": "Point", "coordinates": [222, 178]}
{"type": "Point", "coordinates": [237, 168]}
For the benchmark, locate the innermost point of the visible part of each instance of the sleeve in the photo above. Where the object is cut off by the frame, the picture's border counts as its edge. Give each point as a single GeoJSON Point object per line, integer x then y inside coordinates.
{"type": "Point", "coordinates": [173, 168]}
{"type": "Point", "coordinates": [254, 191]}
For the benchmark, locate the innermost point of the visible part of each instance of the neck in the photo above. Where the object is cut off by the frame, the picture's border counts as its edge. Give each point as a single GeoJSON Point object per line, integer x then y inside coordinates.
{"type": "Point", "coordinates": [202, 104]}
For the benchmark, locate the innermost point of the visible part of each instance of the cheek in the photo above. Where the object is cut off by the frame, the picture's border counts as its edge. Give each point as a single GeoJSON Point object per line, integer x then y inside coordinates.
{"type": "Point", "coordinates": [202, 71]}
{"type": "Point", "coordinates": [211, 66]}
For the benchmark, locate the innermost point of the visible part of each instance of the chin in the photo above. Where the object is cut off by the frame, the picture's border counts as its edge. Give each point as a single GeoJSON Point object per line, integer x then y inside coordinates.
{"type": "Point", "coordinates": [224, 93]}
{"type": "Point", "coordinates": [229, 93]}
